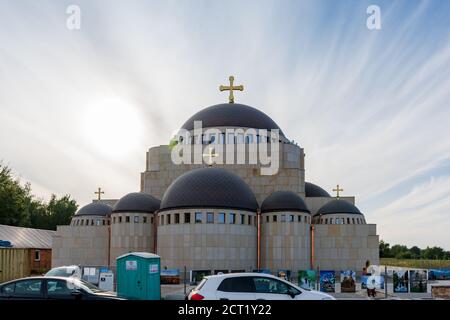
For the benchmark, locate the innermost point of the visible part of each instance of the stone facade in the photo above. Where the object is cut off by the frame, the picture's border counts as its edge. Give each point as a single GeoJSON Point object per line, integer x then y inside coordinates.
{"type": "Point", "coordinates": [161, 171]}
{"type": "Point", "coordinates": [80, 245]}
{"type": "Point", "coordinates": [285, 242]}
{"type": "Point", "coordinates": [345, 247]}
{"type": "Point", "coordinates": [203, 245]}
{"type": "Point", "coordinates": [131, 232]}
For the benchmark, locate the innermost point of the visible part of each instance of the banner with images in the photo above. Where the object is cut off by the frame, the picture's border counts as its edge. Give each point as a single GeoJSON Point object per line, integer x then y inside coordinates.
{"type": "Point", "coordinates": [439, 274]}
{"type": "Point", "coordinates": [418, 281]}
{"type": "Point", "coordinates": [372, 282]}
{"type": "Point", "coordinates": [400, 280]}
{"type": "Point", "coordinates": [348, 281]}
{"type": "Point", "coordinates": [307, 279]}
{"type": "Point", "coordinates": [327, 281]}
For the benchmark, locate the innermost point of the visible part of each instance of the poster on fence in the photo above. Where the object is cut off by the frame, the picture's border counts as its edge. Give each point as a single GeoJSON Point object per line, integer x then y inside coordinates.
{"type": "Point", "coordinates": [372, 282]}
{"type": "Point", "coordinates": [348, 281]}
{"type": "Point", "coordinates": [400, 279]}
{"type": "Point", "coordinates": [439, 274]}
{"type": "Point", "coordinates": [327, 281]}
{"type": "Point", "coordinates": [418, 281]}
{"type": "Point", "coordinates": [307, 279]}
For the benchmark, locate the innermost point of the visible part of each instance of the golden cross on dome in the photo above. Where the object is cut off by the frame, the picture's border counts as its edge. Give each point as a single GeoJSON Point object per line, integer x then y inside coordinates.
{"type": "Point", "coordinates": [211, 155]}
{"type": "Point", "coordinates": [99, 193]}
{"type": "Point", "coordinates": [337, 190]}
{"type": "Point", "coordinates": [231, 88]}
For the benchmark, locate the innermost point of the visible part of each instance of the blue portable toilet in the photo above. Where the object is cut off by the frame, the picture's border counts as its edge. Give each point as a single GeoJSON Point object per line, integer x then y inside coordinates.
{"type": "Point", "coordinates": [138, 276]}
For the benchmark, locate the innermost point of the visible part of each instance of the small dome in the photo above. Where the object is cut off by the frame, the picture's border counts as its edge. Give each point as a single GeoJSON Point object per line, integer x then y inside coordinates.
{"type": "Point", "coordinates": [209, 188]}
{"type": "Point", "coordinates": [94, 209]}
{"type": "Point", "coordinates": [338, 206]}
{"type": "Point", "coordinates": [284, 201]}
{"type": "Point", "coordinates": [137, 202]}
{"type": "Point", "coordinates": [312, 190]}
{"type": "Point", "coordinates": [232, 115]}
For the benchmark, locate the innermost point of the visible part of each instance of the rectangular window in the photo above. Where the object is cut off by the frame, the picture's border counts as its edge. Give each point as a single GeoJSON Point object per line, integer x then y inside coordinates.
{"type": "Point", "coordinates": [162, 219]}
{"type": "Point", "coordinates": [221, 217]}
{"type": "Point", "coordinates": [187, 217]}
{"type": "Point", "coordinates": [104, 221]}
{"type": "Point", "coordinates": [249, 220]}
{"type": "Point", "coordinates": [283, 218]}
{"type": "Point", "coordinates": [232, 217]}
{"type": "Point", "coordinates": [82, 222]}
{"type": "Point", "coordinates": [291, 218]}
{"type": "Point", "coordinates": [274, 218]}
{"type": "Point", "coordinates": [177, 218]}
{"type": "Point", "coordinates": [144, 219]}
{"type": "Point", "coordinates": [136, 219]}
{"type": "Point", "coordinates": [222, 138]}
{"type": "Point", "coordinates": [242, 218]}
{"type": "Point", "coordinates": [299, 218]}
{"type": "Point", "coordinates": [127, 219]}
{"type": "Point", "coordinates": [151, 219]}
{"type": "Point", "coordinates": [114, 219]}
{"type": "Point", "coordinates": [168, 218]}
{"type": "Point", "coordinates": [231, 138]}
{"type": "Point", "coordinates": [120, 219]}
{"type": "Point", "coordinates": [306, 219]}
{"type": "Point", "coordinates": [267, 219]}
{"type": "Point", "coordinates": [198, 217]}
{"type": "Point", "coordinates": [92, 222]}
{"type": "Point", "coordinates": [37, 255]}
{"type": "Point", "coordinates": [326, 221]}
{"type": "Point", "coordinates": [331, 220]}
{"type": "Point", "coordinates": [210, 217]}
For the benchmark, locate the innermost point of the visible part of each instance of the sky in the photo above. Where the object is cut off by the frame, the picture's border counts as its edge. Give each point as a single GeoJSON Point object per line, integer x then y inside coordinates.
{"type": "Point", "coordinates": [79, 108]}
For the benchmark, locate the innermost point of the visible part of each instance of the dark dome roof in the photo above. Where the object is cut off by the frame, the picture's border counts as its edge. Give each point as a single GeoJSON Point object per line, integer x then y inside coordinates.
{"type": "Point", "coordinates": [137, 202]}
{"type": "Point", "coordinates": [313, 190]}
{"type": "Point", "coordinates": [209, 188]}
{"type": "Point", "coordinates": [338, 206]}
{"type": "Point", "coordinates": [94, 209]}
{"type": "Point", "coordinates": [232, 115]}
{"type": "Point", "coordinates": [284, 200]}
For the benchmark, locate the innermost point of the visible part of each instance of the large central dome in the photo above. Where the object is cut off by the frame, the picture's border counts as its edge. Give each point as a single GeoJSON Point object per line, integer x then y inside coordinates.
{"type": "Point", "coordinates": [209, 188]}
{"type": "Point", "coordinates": [232, 115]}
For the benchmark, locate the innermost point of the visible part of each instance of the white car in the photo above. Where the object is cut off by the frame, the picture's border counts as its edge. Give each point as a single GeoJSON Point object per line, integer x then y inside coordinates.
{"type": "Point", "coordinates": [252, 286]}
{"type": "Point", "coordinates": [65, 271]}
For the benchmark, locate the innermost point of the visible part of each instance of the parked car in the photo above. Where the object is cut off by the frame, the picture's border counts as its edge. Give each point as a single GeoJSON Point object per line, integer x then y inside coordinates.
{"type": "Point", "coordinates": [53, 288]}
{"type": "Point", "coordinates": [252, 286]}
{"type": "Point", "coordinates": [65, 271]}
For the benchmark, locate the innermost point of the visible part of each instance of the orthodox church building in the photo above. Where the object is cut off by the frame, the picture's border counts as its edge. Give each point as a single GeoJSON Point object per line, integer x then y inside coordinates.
{"type": "Point", "coordinates": [230, 212]}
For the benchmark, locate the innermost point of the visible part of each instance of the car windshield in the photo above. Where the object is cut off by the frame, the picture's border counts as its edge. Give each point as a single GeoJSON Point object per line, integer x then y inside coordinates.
{"type": "Point", "coordinates": [88, 286]}
{"type": "Point", "coordinates": [60, 272]}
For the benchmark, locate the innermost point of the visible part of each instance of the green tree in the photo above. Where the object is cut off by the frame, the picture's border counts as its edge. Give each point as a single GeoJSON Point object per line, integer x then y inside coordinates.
{"type": "Point", "coordinates": [415, 252]}
{"type": "Point", "coordinates": [385, 251]}
{"type": "Point", "coordinates": [14, 199]}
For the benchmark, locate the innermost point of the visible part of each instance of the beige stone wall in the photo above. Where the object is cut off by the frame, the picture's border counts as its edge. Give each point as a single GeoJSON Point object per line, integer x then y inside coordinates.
{"type": "Point", "coordinates": [285, 244]}
{"type": "Point", "coordinates": [161, 171]}
{"type": "Point", "coordinates": [211, 246]}
{"type": "Point", "coordinates": [82, 245]}
{"type": "Point", "coordinates": [131, 236]}
{"type": "Point", "coordinates": [341, 247]}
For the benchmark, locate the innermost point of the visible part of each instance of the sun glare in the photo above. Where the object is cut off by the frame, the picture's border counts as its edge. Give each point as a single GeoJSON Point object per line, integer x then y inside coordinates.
{"type": "Point", "coordinates": [112, 127]}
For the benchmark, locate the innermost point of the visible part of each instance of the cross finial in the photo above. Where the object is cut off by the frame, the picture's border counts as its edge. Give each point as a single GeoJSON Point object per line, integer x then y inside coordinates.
{"type": "Point", "coordinates": [99, 193]}
{"type": "Point", "coordinates": [211, 155]}
{"type": "Point", "coordinates": [337, 190]}
{"type": "Point", "coordinates": [231, 88]}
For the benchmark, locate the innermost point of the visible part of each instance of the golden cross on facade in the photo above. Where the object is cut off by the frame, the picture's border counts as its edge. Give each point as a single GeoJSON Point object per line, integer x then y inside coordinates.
{"type": "Point", "coordinates": [211, 155]}
{"type": "Point", "coordinates": [337, 190]}
{"type": "Point", "coordinates": [99, 193]}
{"type": "Point", "coordinates": [231, 88]}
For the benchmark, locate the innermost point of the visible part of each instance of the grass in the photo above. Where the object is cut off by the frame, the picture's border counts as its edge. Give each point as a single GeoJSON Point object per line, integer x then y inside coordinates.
{"type": "Point", "coordinates": [416, 263]}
